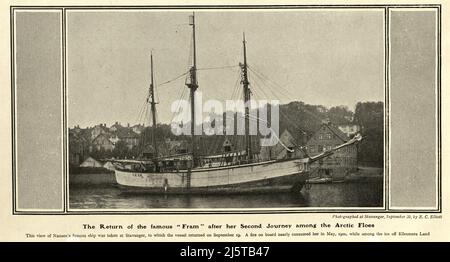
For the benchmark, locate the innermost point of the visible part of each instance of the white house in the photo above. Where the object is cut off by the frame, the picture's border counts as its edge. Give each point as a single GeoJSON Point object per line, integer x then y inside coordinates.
{"type": "Point", "coordinates": [349, 129]}
{"type": "Point", "coordinates": [91, 162]}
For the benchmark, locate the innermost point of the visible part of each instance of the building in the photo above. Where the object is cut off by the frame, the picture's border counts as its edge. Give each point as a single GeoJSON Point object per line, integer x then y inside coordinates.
{"type": "Point", "coordinates": [78, 147]}
{"type": "Point", "coordinates": [138, 129]}
{"type": "Point", "coordinates": [98, 129]}
{"type": "Point", "coordinates": [286, 144]}
{"type": "Point", "coordinates": [91, 162]}
{"type": "Point", "coordinates": [102, 142]}
{"type": "Point", "coordinates": [115, 127]}
{"type": "Point", "coordinates": [227, 145]}
{"type": "Point", "coordinates": [349, 129]}
{"type": "Point", "coordinates": [76, 129]}
{"type": "Point", "coordinates": [128, 136]}
{"type": "Point", "coordinates": [342, 161]}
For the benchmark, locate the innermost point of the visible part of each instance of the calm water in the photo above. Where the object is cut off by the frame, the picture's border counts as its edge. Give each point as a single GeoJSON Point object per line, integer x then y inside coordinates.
{"type": "Point", "coordinates": [356, 194]}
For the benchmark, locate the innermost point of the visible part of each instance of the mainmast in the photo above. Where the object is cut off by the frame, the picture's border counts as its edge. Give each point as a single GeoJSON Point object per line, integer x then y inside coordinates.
{"type": "Point", "coordinates": [153, 106]}
{"type": "Point", "coordinates": [245, 83]}
{"type": "Point", "coordinates": [193, 85]}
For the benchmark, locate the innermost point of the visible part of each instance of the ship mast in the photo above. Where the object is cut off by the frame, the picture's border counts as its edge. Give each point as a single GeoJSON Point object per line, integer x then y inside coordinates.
{"type": "Point", "coordinates": [193, 85]}
{"type": "Point", "coordinates": [245, 83]}
{"type": "Point", "coordinates": [153, 106]}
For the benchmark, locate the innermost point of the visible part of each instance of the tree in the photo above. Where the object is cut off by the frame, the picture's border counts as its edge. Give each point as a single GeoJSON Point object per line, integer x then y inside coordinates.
{"type": "Point", "coordinates": [121, 150]}
{"type": "Point", "coordinates": [370, 117]}
{"type": "Point", "coordinates": [340, 115]}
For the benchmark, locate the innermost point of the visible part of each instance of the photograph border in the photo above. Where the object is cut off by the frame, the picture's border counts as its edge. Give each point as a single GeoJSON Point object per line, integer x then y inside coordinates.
{"type": "Point", "coordinates": [282, 210]}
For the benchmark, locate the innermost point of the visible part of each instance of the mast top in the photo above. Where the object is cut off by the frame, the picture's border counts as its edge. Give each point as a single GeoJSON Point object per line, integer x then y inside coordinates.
{"type": "Point", "coordinates": [192, 19]}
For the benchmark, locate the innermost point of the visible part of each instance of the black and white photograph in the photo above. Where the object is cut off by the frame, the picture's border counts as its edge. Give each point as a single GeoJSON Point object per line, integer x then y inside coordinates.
{"type": "Point", "coordinates": [225, 122]}
{"type": "Point", "coordinates": [225, 108]}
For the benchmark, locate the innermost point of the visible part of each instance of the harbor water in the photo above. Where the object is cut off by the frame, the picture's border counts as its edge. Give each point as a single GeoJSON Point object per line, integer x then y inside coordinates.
{"type": "Point", "coordinates": [360, 193]}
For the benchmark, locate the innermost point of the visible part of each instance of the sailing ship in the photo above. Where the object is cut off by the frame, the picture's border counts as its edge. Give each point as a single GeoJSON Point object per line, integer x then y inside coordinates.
{"type": "Point", "coordinates": [242, 172]}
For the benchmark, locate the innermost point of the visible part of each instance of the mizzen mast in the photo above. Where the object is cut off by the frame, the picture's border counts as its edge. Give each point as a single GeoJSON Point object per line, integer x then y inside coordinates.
{"type": "Point", "coordinates": [152, 102]}
{"type": "Point", "coordinates": [193, 85]}
{"type": "Point", "coordinates": [245, 84]}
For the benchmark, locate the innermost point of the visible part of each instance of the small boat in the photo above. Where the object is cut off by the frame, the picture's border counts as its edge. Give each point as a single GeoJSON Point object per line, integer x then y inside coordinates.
{"type": "Point", "coordinates": [320, 180]}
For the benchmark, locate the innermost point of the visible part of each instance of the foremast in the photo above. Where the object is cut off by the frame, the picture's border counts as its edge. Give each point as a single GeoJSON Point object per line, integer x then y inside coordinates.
{"type": "Point", "coordinates": [193, 85]}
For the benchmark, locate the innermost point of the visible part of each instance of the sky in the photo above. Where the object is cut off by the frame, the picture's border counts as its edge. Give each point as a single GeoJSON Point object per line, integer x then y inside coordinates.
{"type": "Point", "coordinates": [321, 57]}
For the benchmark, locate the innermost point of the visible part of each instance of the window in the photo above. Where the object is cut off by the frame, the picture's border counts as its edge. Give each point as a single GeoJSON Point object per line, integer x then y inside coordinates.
{"type": "Point", "coordinates": [319, 148]}
{"type": "Point", "coordinates": [320, 137]}
{"type": "Point", "coordinates": [311, 148]}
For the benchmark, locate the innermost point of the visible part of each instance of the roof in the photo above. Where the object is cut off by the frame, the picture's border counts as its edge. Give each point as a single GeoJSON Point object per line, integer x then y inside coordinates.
{"type": "Point", "coordinates": [117, 125]}
{"type": "Point", "coordinates": [106, 136]}
{"type": "Point", "coordinates": [92, 160]}
{"type": "Point", "coordinates": [336, 131]}
{"type": "Point", "coordinates": [101, 126]}
{"type": "Point", "coordinates": [286, 137]}
{"type": "Point", "coordinates": [126, 133]}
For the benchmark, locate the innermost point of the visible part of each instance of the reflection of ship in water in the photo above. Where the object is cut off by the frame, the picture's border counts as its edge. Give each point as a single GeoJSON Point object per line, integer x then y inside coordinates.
{"type": "Point", "coordinates": [234, 171]}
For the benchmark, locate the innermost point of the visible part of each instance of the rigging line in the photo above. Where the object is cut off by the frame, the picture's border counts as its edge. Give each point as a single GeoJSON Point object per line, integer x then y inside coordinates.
{"type": "Point", "coordinates": [273, 133]}
{"type": "Point", "coordinates": [269, 80]}
{"type": "Point", "coordinates": [138, 117]}
{"type": "Point", "coordinates": [257, 118]}
{"type": "Point", "coordinates": [156, 94]}
{"type": "Point", "coordinates": [274, 84]}
{"type": "Point", "coordinates": [262, 90]}
{"type": "Point", "coordinates": [236, 86]}
{"type": "Point", "coordinates": [218, 67]}
{"type": "Point", "coordinates": [145, 115]}
{"type": "Point", "coordinates": [289, 119]}
{"type": "Point", "coordinates": [173, 79]}
{"type": "Point", "coordinates": [262, 83]}
{"type": "Point", "coordinates": [141, 111]}
{"type": "Point", "coordinates": [286, 116]}
{"type": "Point", "coordinates": [257, 88]}
{"type": "Point", "coordinates": [181, 98]}
{"type": "Point", "coordinates": [304, 109]}
{"type": "Point", "coordinates": [156, 118]}
{"type": "Point", "coordinates": [270, 89]}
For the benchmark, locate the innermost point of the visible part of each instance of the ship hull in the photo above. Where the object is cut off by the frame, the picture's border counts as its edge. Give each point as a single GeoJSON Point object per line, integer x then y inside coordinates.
{"type": "Point", "coordinates": [271, 176]}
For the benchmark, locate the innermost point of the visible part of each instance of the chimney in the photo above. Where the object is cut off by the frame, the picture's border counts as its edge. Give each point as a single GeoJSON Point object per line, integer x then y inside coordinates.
{"type": "Point", "coordinates": [128, 124]}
